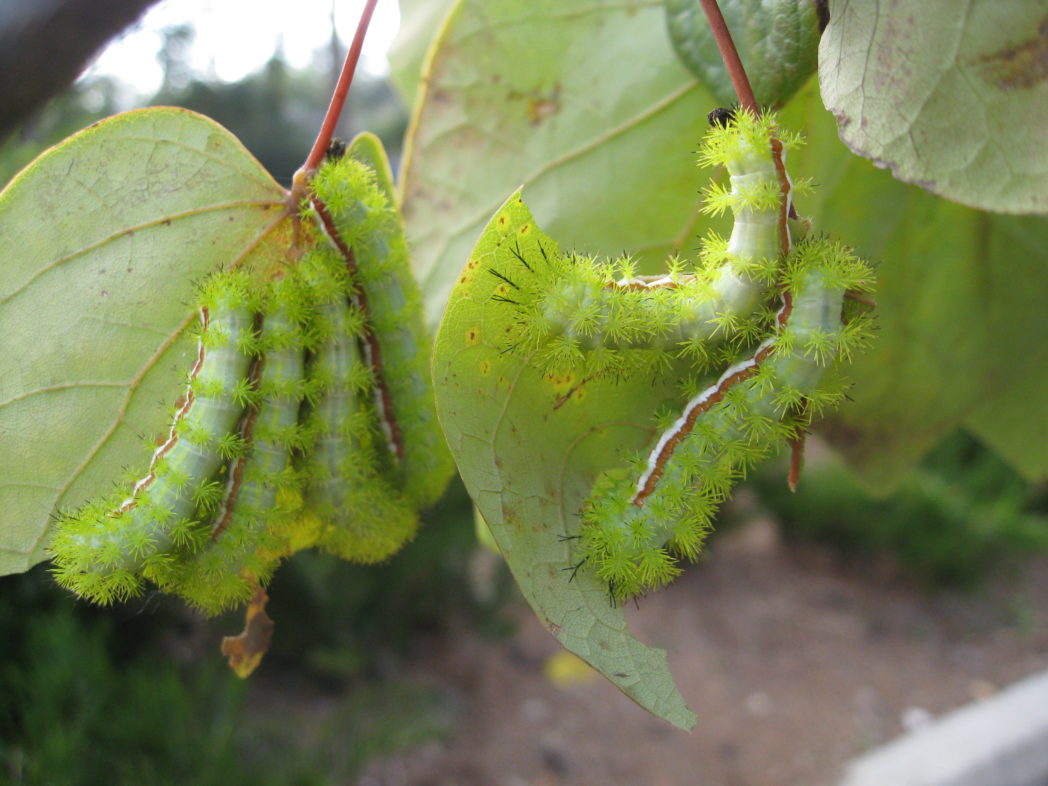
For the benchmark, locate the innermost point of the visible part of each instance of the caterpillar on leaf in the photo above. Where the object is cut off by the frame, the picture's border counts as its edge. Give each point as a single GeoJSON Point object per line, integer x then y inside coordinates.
{"type": "Point", "coordinates": [640, 519]}
{"type": "Point", "coordinates": [578, 312]}
{"type": "Point", "coordinates": [250, 531]}
{"type": "Point", "coordinates": [308, 418]}
{"type": "Point", "coordinates": [103, 551]}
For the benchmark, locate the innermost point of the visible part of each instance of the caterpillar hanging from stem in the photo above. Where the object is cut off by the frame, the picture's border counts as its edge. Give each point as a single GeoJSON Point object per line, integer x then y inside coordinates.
{"type": "Point", "coordinates": [309, 400]}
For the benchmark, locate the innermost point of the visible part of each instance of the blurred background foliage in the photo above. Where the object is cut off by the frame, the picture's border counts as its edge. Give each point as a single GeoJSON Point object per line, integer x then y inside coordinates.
{"type": "Point", "coordinates": [139, 694]}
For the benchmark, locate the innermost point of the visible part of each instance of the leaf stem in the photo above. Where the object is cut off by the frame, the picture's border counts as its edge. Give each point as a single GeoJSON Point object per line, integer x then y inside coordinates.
{"type": "Point", "coordinates": [730, 55]}
{"type": "Point", "coordinates": [338, 98]}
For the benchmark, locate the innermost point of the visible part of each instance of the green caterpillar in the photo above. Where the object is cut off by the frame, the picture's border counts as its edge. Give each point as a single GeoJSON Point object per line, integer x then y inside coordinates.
{"type": "Point", "coordinates": [640, 519]}
{"type": "Point", "coordinates": [353, 202]}
{"type": "Point", "coordinates": [103, 551]}
{"type": "Point", "coordinates": [367, 518]}
{"type": "Point", "coordinates": [250, 530]}
{"type": "Point", "coordinates": [578, 312]}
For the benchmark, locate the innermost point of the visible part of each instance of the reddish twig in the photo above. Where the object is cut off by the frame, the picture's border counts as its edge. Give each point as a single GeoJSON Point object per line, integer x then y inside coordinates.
{"type": "Point", "coordinates": [338, 98]}
{"type": "Point", "coordinates": [730, 55]}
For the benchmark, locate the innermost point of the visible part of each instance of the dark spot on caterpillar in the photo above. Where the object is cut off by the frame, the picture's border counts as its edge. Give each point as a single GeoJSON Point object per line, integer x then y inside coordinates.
{"type": "Point", "coordinates": [336, 149]}
{"type": "Point", "coordinates": [721, 116]}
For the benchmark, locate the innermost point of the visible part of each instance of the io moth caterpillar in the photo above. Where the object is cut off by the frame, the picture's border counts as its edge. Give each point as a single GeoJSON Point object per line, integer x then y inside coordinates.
{"type": "Point", "coordinates": [639, 520]}
{"type": "Point", "coordinates": [247, 542]}
{"type": "Point", "coordinates": [102, 551]}
{"type": "Point", "coordinates": [357, 213]}
{"type": "Point", "coordinates": [367, 518]}
{"type": "Point", "coordinates": [580, 312]}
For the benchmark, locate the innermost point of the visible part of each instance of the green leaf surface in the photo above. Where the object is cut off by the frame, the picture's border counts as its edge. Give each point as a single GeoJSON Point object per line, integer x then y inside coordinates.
{"type": "Point", "coordinates": [528, 447]}
{"type": "Point", "coordinates": [951, 96]}
{"type": "Point", "coordinates": [777, 40]}
{"type": "Point", "coordinates": [102, 239]}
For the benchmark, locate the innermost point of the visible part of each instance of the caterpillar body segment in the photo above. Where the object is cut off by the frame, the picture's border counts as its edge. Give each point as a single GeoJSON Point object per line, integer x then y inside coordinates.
{"type": "Point", "coordinates": [103, 551]}
{"type": "Point", "coordinates": [640, 520]}
{"type": "Point", "coordinates": [359, 217]}
{"type": "Point", "coordinates": [250, 531]}
{"type": "Point", "coordinates": [364, 517]}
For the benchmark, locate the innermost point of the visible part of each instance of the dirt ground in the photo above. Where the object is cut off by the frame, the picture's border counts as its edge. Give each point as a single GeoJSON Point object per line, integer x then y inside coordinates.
{"type": "Point", "coordinates": [793, 659]}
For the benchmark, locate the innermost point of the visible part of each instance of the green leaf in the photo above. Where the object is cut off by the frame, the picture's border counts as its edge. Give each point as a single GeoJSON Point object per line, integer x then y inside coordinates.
{"type": "Point", "coordinates": [102, 239]}
{"type": "Point", "coordinates": [539, 94]}
{"type": "Point", "coordinates": [953, 97]}
{"type": "Point", "coordinates": [777, 40]}
{"type": "Point", "coordinates": [528, 447]}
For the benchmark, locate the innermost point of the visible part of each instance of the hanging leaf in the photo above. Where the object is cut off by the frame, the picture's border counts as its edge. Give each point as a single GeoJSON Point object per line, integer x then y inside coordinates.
{"type": "Point", "coordinates": [528, 446]}
{"type": "Point", "coordinates": [951, 97]}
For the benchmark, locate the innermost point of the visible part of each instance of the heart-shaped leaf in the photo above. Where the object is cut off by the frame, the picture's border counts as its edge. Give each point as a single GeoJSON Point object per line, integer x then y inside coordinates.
{"type": "Point", "coordinates": [102, 240]}
{"type": "Point", "coordinates": [529, 445]}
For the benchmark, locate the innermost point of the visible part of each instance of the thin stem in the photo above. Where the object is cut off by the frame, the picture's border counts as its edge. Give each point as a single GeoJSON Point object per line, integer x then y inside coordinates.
{"type": "Point", "coordinates": [730, 55]}
{"type": "Point", "coordinates": [338, 98]}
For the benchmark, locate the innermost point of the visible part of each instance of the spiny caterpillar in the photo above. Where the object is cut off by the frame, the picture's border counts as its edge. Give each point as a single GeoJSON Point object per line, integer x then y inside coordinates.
{"type": "Point", "coordinates": [103, 551]}
{"type": "Point", "coordinates": [358, 216]}
{"type": "Point", "coordinates": [250, 531]}
{"type": "Point", "coordinates": [367, 518]}
{"type": "Point", "coordinates": [307, 420]}
{"type": "Point", "coordinates": [578, 312]}
{"type": "Point", "coordinates": [640, 519]}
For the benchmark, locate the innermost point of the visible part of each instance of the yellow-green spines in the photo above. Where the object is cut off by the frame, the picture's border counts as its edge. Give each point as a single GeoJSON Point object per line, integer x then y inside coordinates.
{"type": "Point", "coordinates": [369, 224]}
{"type": "Point", "coordinates": [633, 539]}
{"type": "Point", "coordinates": [103, 551]}
{"type": "Point", "coordinates": [365, 517]}
{"type": "Point", "coordinates": [248, 529]}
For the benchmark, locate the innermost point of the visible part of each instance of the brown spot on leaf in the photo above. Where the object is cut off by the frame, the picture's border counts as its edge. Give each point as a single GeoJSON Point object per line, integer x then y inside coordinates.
{"type": "Point", "coordinates": [473, 336]}
{"type": "Point", "coordinates": [1019, 67]}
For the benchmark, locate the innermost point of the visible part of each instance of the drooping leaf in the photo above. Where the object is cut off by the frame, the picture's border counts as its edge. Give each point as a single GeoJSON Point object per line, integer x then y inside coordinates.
{"type": "Point", "coordinates": [102, 239]}
{"type": "Point", "coordinates": [951, 97]}
{"type": "Point", "coordinates": [777, 40]}
{"type": "Point", "coordinates": [528, 446]}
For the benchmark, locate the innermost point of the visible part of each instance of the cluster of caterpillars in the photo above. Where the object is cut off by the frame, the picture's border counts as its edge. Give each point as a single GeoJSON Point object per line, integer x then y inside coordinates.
{"type": "Point", "coordinates": [768, 312]}
{"type": "Point", "coordinates": [307, 420]}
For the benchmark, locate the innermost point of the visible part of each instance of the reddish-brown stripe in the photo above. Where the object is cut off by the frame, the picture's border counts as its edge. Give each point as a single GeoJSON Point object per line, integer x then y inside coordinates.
{"type": "Point", "coordinates": [372, 349]}
{"type": "Point", "coordinates": [236, 470]}
{"type": "Point", "coordinates": [784, 202]}
{"type": "Point", "coordinates": [715, 397]}
{"type": "Point", "coordinates": [172, 434]}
